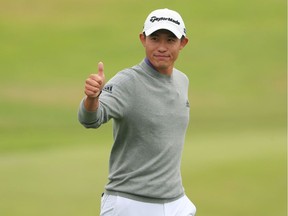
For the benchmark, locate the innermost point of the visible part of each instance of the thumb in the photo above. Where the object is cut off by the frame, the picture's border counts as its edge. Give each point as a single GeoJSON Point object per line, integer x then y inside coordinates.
{"type": "Point", "coordinates": [101, 69]}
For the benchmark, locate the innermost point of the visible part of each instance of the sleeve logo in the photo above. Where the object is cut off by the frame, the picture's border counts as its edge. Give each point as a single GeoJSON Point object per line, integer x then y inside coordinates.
{"type": "Point", "coordinates": [108, 88]}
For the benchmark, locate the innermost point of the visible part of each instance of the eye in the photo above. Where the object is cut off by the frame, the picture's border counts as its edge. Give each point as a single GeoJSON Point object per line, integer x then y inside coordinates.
{"type": "Point", "coordinates": [171, 39]}
{"type": "Point", "coordinates": [154, 38]}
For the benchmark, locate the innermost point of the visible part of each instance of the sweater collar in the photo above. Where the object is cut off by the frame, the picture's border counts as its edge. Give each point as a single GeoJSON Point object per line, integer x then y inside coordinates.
{"type": "Point", "coordinates": [149, 68]}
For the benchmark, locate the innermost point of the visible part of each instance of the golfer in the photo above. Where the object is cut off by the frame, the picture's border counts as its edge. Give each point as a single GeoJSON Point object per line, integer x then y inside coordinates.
{"type": "Point", "coordinates": [150, 110]}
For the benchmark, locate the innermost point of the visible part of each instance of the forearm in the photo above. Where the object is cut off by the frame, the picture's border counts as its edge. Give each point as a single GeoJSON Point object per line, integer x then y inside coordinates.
{"type": "Point", "coordinates": [89, 119]}
{"type": "Point", "coordinates": [91, 104]}
{"type": "Point", "coordinates": [88, 114]}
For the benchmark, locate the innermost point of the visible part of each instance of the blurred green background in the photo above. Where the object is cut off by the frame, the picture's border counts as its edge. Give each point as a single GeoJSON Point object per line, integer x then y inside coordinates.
{"type": "Point", "coordinates": [234, 161]}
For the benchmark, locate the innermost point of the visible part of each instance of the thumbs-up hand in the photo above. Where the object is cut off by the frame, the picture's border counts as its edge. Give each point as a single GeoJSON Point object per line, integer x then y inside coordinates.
{"type": "Point", "coordinates": [95, 82]}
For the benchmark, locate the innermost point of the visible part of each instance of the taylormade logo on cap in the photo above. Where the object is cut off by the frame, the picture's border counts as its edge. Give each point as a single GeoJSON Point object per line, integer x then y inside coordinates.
{"type": "Point", "coordinates": [154, 18]}
{"type": "Point", "coordinates": [165, 19]}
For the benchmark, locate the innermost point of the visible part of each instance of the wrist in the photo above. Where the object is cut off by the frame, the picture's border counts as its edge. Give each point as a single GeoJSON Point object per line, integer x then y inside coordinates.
{"type": "Point", "coordinates": [91, 103]}
{"type": "Point", "coordinates": [98, 95]}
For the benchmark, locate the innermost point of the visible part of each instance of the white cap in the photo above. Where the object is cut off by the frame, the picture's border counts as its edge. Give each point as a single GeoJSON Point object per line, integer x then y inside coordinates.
{"type": "Point", "coordinates": [165, 19]}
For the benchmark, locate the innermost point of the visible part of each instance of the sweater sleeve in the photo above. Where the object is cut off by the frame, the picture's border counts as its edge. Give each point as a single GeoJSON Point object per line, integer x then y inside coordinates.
{"type": "Point", "coordinates": [89, 119]}
{"type": "Point", "coordinates": [113, 102]}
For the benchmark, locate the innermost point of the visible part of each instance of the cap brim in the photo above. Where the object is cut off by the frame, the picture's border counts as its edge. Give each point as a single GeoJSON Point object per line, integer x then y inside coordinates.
{"type": "Point", "coordinates": [166, 26]}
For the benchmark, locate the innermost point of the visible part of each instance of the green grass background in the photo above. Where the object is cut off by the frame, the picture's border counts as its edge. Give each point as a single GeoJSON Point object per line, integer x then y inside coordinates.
{"type": "Point", "coordinates": [234, 161]}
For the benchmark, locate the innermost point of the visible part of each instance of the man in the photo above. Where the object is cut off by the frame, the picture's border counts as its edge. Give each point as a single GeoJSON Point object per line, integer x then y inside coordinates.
{"type": "Point", "coordinates": [149, 106]}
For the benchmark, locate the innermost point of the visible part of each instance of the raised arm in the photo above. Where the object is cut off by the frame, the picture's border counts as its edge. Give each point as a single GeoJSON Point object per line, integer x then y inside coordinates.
{"type": "Point", "coordinates": [93, 87]}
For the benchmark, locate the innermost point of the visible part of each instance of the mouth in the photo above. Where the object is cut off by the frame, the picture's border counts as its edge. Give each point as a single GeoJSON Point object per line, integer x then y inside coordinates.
{"type": "Point", "coordinates": [161, 56]}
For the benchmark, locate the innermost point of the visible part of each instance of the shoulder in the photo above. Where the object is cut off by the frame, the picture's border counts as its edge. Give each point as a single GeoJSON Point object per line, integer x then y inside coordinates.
{"type": "Point", "coordinates": [179, 75]}
{"type": "Point", "coordinates": [122, 81]}
{"type": "Point", "coordinates": [123, 76]}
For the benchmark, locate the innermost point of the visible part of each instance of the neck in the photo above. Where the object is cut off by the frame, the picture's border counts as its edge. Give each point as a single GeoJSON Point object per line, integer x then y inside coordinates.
{"type": "Point", "coordinates": [164, 71]}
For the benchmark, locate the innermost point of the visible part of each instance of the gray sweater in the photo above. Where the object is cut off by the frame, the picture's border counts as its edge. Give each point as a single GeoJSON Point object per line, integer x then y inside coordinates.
{"type": "Point", "coordinates": [150, 113]}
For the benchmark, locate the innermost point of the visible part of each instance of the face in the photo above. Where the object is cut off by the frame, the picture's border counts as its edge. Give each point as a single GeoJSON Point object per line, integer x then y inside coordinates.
{"type": "Point", "coordinates": [162, 49]}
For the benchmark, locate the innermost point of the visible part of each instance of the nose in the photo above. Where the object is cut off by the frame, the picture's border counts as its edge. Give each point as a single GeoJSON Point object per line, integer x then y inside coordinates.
{"type": "Point", "coordinates": [162, 46]}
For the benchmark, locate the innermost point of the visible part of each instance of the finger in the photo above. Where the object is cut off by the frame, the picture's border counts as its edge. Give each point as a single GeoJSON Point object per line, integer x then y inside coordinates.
{"type": "Point", "coordinates": [101, 69]}
{"type": "Point", "coordinates": [95, 80]}
{"type": "Point", "coordinates": [94, 88]}
{"type": "Point", "coordinates": [91, 91]}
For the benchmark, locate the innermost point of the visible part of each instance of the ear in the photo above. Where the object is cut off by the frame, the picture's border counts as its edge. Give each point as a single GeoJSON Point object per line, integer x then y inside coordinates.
{"type": "Point", "coordinates": [142, 38]}
{"type": "Point", "coordinates": [183, 42]}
